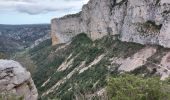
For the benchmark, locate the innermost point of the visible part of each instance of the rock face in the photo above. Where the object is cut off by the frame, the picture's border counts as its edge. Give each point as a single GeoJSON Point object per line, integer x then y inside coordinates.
{"type": "Point", "coordinates": [137, 60]}
{"type": "Point", "coordinates": [140, 21]}
{"type": "Point", "coordinates": [16, 82]}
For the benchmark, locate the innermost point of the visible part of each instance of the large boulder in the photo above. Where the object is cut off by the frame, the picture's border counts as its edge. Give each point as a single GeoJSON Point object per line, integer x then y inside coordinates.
{"type": "Point", "coordinates": [16, 81]}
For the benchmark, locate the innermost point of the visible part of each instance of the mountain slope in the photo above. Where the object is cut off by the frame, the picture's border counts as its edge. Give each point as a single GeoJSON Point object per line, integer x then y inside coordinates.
{"type": "Point", "coordinates": [79, 69]}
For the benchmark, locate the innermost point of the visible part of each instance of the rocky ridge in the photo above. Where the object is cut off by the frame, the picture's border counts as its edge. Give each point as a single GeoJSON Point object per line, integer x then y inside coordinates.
{"type": "Point", "coordinates": [139, 21]}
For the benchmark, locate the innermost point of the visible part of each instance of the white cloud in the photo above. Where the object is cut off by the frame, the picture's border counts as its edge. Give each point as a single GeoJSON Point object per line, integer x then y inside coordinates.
{"type": "Point", "coordinates": [40, 6]}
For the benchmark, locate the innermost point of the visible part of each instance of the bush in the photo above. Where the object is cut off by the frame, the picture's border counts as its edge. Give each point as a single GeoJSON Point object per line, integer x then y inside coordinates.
{"type": "Point", "coordinates": [2, 56]}
{"type": "Point", "coordinates": [130, 87]}
{"type": "Point", "coordinates": [5, 95]}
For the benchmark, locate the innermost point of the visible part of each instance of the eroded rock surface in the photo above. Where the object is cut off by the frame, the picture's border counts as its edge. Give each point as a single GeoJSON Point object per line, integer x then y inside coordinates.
{"type": "Point", "coordinates": [137, 60]}
{"type": "Point", "coordinates": [140, 21]}
{"type": "Point", "coordinates": [16, 82]}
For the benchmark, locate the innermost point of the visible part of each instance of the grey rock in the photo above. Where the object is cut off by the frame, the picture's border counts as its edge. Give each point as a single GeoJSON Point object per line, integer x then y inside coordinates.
{"type": "Point", "coordinates": [140, 21]}
{"type": "Point", "coordinates": [16, 80]}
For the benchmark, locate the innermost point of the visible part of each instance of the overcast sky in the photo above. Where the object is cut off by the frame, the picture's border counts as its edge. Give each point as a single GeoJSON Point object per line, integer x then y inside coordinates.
{"type": "Point", "coordinates": [36, 11]}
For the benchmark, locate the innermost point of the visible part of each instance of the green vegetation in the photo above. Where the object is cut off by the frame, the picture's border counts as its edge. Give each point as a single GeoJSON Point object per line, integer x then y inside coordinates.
{"type": "Point", "coordinates": [15, 38]}
{"type": "Point", "coordinates": [153, 25]}
{"type": "Point", "coordinates": [25, 61]}
{"type": "Point", "coordinates": [84, 47]}
{"type": "Point", "coordinates": [46, 61]}
{"type": "Point", "coordinates": [149, 28]}
{"type": "Point", "coordinates": [71, 15]}
{"type": "Point", "coordinates": [81, 84]}
{"type": "Point", "coordinates": [116, 48]}
{"type": "Point", "coordinates": [48, 58]}
{"type": "Point", "coordinates": [122, 2]}
{"type": "Point", "coordinates": [2, 56]}
{"type": "Point", "coordinates": [130, 87]}
{"type": "Point", "coordinates": [41, 46]}
{"type": "Point", "coordinates": [158, 2]}
{"type": "Point", "coordinates": [10, 96]}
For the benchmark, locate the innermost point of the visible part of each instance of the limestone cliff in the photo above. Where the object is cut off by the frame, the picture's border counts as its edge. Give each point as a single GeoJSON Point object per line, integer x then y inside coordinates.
{"type": "Point", "coordinates": [16, 82]}
{"type": "Point", "coordinates": [140, 21]}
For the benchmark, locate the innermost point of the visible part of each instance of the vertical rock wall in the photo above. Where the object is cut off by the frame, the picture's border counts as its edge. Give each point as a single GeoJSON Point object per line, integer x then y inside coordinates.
{"type": "Point", "coordinates": [140, 21]}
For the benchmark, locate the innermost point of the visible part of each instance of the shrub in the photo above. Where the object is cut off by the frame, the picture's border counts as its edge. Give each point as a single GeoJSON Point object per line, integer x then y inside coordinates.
{"type": "Point", "coordinates": [2, 56]}
{"type": "Point", "coordinates": [130, 87]}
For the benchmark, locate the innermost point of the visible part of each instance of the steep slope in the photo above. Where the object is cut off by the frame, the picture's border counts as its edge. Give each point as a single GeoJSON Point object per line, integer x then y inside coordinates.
{"type": "Point", "coordinates": [139, 21]}
{"type": "Point", "coordinates": [79, 69]}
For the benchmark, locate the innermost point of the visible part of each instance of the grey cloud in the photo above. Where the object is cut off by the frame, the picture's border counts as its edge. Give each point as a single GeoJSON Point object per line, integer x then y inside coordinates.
{"type": "Point", "coordinates": [40, 6]}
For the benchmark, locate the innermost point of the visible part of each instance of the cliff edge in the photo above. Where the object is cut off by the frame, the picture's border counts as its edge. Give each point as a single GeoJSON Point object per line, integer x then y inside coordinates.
{"type": "Point", "coordinates": [139, 21]}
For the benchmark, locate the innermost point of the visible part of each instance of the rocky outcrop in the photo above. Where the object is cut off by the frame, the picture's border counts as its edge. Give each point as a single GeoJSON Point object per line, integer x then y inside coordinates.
{"type": "Point", "coordinates": [40, 40]}
{"type": "Point", "coordinates": [16, 82]}
{"type": "Point", "coordinates": [137, 60]}
{"type": "Point", "coordinates": [140, 21]}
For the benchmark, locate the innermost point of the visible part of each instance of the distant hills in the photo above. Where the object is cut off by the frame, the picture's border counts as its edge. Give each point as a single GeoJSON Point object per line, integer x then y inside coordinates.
{"type": "Point", "coordinates": [17, 37]}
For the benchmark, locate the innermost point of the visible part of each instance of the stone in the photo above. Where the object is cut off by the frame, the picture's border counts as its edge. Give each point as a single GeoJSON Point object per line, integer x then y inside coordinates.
{"type": "Point", "coordinates": [137, 60]}
{"type": "Point", "coordinates": [16, 81]}
{"type": "Point", "coordinates": [164, 69]}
